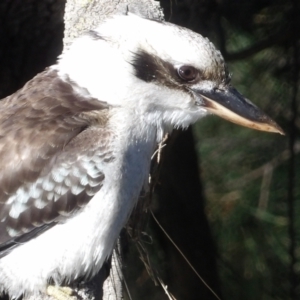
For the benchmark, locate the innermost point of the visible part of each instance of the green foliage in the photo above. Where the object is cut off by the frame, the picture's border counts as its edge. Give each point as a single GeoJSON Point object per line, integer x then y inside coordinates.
{"type": "Point", "coordinates": [246, 173]}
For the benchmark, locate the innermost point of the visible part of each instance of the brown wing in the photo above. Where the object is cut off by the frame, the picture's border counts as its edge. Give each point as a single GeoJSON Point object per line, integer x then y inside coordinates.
{"type": "Point", "coordinates": [49, 155]}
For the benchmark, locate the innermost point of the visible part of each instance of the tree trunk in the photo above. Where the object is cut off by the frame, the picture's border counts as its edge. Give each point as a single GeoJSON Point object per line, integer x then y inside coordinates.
{"type": "Point", "coordinates": [81, 16]}
{"type": "Point", "coordinates": [31, 36]}
{"type": "Point", "coordinates": [180, 212]}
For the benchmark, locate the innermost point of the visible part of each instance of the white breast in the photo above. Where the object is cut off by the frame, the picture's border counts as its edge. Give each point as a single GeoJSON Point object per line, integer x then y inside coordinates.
{"type": "Point", "coordinates": [80, 245]}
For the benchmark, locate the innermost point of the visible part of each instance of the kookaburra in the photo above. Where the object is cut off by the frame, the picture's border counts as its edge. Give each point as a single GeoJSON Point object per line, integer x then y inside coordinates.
{"type": "Point", "coordinates": [76, 142]}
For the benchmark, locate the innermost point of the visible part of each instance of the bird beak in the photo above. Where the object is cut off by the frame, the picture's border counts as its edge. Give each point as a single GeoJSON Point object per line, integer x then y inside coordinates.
{"type": "Point", "coordinates": [231, 105]}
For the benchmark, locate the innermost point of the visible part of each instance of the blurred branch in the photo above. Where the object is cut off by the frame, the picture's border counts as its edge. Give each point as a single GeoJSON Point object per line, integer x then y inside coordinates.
{"type": "Point", "coordinates": [265, 187]}
{"type": "Point", "coordinates": [257, 173]}
{"type": "Point", "coordinates": [278, 38]}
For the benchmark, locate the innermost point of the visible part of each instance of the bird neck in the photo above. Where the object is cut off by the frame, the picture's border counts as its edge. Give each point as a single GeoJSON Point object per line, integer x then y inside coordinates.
{"type": "Point", "coordinates": [137, 128]}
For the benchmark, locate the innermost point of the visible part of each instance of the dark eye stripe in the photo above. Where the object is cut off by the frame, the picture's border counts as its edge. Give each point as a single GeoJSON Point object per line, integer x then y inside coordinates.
{"type": "Point", "coordinates": [146, 66]}
{"type": "Point", "coordinates": [151, 68]}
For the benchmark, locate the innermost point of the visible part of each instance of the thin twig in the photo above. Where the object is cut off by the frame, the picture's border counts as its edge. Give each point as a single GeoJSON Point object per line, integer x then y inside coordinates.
{"type": "Point", "coordinates": [165, 287]}
{"type": "Point", "coordinates": [257, 173]}
{"type": "Point", "coordinates": [184, 257]}
{"type": "Point", "coordinates": [265, 187]}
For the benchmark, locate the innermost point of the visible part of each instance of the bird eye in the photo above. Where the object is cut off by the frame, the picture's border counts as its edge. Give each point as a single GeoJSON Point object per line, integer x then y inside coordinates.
{"type": "Point", "coordinates": [187, 73]}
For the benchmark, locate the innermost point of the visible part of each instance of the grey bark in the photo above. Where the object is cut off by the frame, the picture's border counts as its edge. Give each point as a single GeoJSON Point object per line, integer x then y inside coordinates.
{"type": "Point", "coordinates": [81, 16]}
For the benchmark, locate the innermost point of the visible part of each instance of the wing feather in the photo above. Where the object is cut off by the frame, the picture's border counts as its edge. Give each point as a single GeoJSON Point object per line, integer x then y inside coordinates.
{"type": "Point", "coordinates": [51, 155]}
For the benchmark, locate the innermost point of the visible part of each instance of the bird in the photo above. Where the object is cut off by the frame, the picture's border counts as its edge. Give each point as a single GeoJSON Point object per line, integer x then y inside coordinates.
{"type": "Point", "coordinates": [76, 142]}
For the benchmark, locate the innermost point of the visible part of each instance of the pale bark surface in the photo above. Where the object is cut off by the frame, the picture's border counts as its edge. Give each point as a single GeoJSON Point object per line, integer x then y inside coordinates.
{"type": "Point", "coordinates": [83, 15]}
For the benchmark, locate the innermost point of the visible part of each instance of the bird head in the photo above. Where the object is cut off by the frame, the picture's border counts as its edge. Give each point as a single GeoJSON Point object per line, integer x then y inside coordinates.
{"type": "Point", "coordinates": [164, 73]}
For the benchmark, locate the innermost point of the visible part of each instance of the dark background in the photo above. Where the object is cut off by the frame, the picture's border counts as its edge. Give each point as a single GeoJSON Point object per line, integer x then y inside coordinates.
{"type": "Point", "coordinates": [228, 196]}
